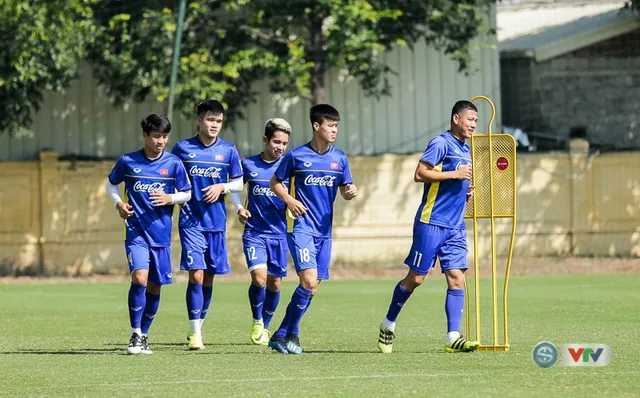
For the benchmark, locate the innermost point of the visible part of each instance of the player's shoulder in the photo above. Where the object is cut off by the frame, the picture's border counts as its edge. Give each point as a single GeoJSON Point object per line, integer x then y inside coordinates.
{"type": "Point", "coordinates": [440, 139]}
{"type": "Point", "coordinates": [131, 156]}
{"type": "Point", "coordinates": [337, 152]}
{"type": "Point", "coordinates": [250, 160]}
{"type": "Point", "coordinates": [170, 157]}
{"type": "Point", "coordinates": [226, 144]}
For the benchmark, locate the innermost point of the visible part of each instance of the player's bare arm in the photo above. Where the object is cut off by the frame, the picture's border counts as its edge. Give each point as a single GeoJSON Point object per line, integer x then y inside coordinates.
{"type": "Point", "coordinates": [243, 215]}
{"type": "Point", "coordinates": [212, 192]}
{"type": "Point", "coordinates": [124, 209]}
{"type": "Point", "coordinates": [295, 207]}
{"type": "Point", "coordinates": [426, 173]}
{"type": "Point", "coordinates": [348, 191]}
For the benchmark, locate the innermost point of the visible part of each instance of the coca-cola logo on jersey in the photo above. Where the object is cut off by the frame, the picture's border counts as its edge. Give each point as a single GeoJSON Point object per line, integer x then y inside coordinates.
{"type": "Point", "coordinates": [324, 181]}
{"type": "Point", "coordinates": [213, 172]}
{"type": "Point", "coordinates": [262, 191]}
{"type": "Point", "coordinates": [149, 188]}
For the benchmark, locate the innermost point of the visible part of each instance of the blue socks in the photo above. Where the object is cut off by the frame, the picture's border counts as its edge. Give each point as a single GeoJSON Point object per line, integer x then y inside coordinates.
{"type": "Point", "coordinates": [400, 296]}
{"type": "Point", "coordinates": [137, 303]}
{"type": "Point", "coordinates": [271, 301]}
{"type": "Point", "coordinates": [207, 293]}
{"type": "Point", "coordinates": [256, 299]}
{"type": "Point", "coordinates": [453, 307]}
{"type": "Point", "coordinates": [150, 311]}
{"type": "Point", "coordinates": [295, 329]}
{"type": "Point", "coordinates": [194, 300]}
{"type": "Point", "coordinates": [295, 310]}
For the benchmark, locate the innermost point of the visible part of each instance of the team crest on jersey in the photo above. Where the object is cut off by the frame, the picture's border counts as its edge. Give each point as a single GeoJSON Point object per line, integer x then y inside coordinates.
{"type": "Point", "coordinates": [137, 170]}
{"type": "Point", "coordinates": [192, 155]}
{"type": "Point", "coordinates": [334, 166]}
{"type": "Point", "coordinates": [164, 172]}
{"type": "Point", "coordinates": [219, 157]}
{"type": "Point", "coordinates": [254, 174]}
{"type": "Point", "coordinates": [307, 164]}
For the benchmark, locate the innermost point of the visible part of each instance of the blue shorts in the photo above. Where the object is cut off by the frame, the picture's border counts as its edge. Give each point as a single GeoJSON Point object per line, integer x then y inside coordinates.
{"type": "Point", "coordinates": [310, 252]}
{"type": "Point", "coordinates": [266, 251]}
{"type": "Point", "coordinates": [206, 250]}
{"type": "Point", "coordinates": [157, 260]}
{"type": "Point", "coordinates": [431, 241]}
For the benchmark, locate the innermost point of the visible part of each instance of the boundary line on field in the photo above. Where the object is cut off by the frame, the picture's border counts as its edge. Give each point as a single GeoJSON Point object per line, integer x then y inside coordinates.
{"type": "Point", "coordinates": [320, 378]}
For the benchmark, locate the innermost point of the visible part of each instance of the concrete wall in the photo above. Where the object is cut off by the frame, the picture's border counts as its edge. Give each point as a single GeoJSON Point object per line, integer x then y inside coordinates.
{"type": "Point", "coordinates": [596, 88]}
{"type": "Point", "coordinates": [56, 219]}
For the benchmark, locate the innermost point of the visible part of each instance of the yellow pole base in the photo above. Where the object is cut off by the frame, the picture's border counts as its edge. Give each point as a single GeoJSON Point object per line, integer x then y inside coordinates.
{"type": "Point", "coordinates": [493, 348]}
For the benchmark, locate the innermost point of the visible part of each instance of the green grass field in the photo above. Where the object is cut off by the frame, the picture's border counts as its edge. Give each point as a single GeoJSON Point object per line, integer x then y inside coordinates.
{"type": "Point", "coordinates": [69, 340]}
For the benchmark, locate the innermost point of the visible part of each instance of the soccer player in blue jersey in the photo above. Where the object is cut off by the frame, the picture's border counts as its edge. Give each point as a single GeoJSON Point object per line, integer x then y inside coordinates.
{"type": "Point", "coordinates": [213, 165]}
{"type": "Point", "coordinates": [265, 233]}
{"type": "Point", "coordinates": [154, 181]}
{"type": "Point", "coordinates": [316, 171]}
{"type": "Point", "coordinates": [439, 229]}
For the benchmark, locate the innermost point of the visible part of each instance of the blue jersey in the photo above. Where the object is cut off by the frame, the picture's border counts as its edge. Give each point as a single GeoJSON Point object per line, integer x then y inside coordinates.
{"type": "Point", "coordinates": [141, 177]}
{"type": "Point", "coordinates": [314, 181]}
{"type": "Point", "coordinates": [267, 210]}
{"type": "Point", "coordinates": [443, 203]}
{"type": "Point", "coordinates": [207, 165]}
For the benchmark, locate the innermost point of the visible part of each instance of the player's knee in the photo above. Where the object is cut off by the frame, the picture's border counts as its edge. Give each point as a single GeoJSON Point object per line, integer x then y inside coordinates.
{"type": "Point", "coordinates": [455, 279]}
{"type": "Point", "coordinates": [139, 278]}
{"type": "Point", "coordinates": [309, 284]}
{"type": "Point", "coordinates": [258, 279]}
{"type": "Point", "coordinates": [154, 289]}
{"type": "Point", "coordinates": [196, 277]}
{"type": "Point", "coordinates": [207, 278]}
{"type": "Point", "coordinates": [412, 281]}
{"type": "Point", "coordinates": [273, 284]}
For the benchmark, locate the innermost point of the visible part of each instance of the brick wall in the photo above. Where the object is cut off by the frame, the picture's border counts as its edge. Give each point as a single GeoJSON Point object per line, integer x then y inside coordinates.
{"type": "Point", "coordinates": [597, 87]}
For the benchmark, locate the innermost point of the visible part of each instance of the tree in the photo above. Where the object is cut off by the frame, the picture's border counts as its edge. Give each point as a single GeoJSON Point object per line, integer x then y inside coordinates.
{"type": "Point", "coordinates": [41, 45]}
{"type": "Point", "coordinates": [229, 44]}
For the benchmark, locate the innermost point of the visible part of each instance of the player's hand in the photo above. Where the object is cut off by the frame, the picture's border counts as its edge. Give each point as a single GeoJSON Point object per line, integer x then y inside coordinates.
{"type": "Point", "coordinates": [159, 198]}
{"type": "Point", "coordinates": [212, 192]}
{"type": "Point", "coordinates": [125, 210]}
{"type": "Point", "coordinates": [463, 172]}
{"type": "Point", "coordinates": [243, 215]}
{"type": "Point", "coordinates": [349, 191]}
{"type": "Point", "coordinates": [470, 192]}
{"type": "Point", "coordinates": [295, 208]}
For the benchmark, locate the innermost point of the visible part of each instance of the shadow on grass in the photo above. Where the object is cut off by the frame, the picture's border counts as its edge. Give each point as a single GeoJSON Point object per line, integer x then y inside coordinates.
{"type": "Point", "coordinates": [67, 351]}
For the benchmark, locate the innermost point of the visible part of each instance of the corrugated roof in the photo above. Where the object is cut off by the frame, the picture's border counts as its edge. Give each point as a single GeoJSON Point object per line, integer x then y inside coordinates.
{"type": "Point", "coordinates": [530, 26]}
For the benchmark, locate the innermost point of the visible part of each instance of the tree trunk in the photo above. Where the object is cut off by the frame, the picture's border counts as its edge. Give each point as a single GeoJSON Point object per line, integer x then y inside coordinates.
{"type": "Point", "coordinates": [319, 66]}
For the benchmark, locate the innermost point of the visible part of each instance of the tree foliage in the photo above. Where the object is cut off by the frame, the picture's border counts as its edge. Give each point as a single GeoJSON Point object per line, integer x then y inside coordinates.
{"type": "Point", "coordinates": [227, 45]}
{"type": "Point", "coordinates": [42, 43]}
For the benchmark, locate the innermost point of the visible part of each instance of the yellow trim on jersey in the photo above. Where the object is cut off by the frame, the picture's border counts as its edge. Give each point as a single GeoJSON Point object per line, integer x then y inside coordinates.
{"type": "Point", "coordinates": [154, 177]}
{"type": "Point", "coordinates": [323, 171]}
{"type": "Point", "coordinates": [202, 161]}
{"type": "Point", "coordinates": [292, 191]}
{"type": "Point", "coordinates": [425, 217]}
{"type": "Point", "coordinates": [124, 224]}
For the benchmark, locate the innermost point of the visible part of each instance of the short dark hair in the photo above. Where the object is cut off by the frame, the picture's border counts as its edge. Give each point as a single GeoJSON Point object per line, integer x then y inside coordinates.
{"type": "Point", "coordinates": [276, 124]}
{"type": "Point", "coordinates": [209, 105]}
{"type": "Point", "coordinates": [462, 105]}
{"type": "Point", "coordinates": [321, 112]}
{"type": "Point", "coordinates": [156, 123]}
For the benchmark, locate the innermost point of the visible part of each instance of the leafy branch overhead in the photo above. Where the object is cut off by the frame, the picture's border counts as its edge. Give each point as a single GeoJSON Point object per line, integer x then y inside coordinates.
{"type": "Point", "coordinates": [227, 46]}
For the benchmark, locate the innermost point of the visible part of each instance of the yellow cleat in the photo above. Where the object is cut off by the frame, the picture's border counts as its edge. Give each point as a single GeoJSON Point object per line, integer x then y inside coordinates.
{"type": "Point", "coordinates": [385, 340]}
{"type": "Point", "coordinates": [461, 345]}
{"type": "Point", "coordinates": [195, 342]}
{"type": "Point", "coordinates": [259, 335]}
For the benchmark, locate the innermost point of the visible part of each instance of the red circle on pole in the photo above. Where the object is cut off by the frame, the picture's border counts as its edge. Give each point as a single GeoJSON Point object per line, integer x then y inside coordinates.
{"type": "Point", "coordinates": [502, 163]}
